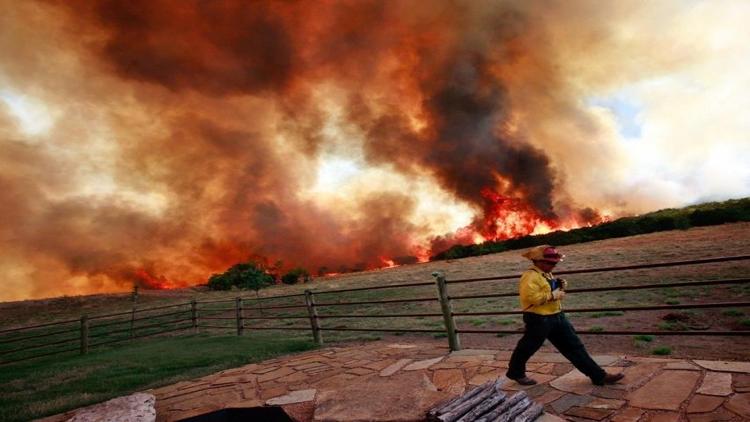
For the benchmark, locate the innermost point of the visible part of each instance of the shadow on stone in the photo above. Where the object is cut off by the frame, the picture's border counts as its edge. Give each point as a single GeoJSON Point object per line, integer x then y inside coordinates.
{"type": "Point", "coordinates": [265, 414]}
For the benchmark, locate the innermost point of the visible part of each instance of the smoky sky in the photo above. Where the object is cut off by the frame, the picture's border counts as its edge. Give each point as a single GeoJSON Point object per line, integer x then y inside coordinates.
{"type": "Point", "coordinates": [187, 135]}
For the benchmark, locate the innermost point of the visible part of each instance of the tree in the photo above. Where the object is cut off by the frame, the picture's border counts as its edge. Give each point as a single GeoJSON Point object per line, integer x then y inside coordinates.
{"type": "Point", "coordinates": [296, 275]}
{"type": "Point", "coordinates": [246, 275]}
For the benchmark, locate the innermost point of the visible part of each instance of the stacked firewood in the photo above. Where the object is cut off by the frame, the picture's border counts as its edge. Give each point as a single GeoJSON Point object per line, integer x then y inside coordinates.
{"type": "Point", "coordinates": [487, 403]}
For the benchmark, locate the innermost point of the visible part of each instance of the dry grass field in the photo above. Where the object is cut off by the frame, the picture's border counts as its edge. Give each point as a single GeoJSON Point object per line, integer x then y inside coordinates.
{"type": "Point", "coordinates": [695, 243]}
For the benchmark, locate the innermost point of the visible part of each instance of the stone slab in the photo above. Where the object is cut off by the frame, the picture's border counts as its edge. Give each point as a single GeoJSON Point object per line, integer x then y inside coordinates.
{"type": "Point", "coordinates": [716, 384]}
{"type": "Point", "coordinates": [665, 417]}
{"type": "Point", "coordinates": [548, 357]}
{"type": "Point", "coordinates": [495, 363]}
{"type": "Point", "coordinates": [474, 352]}
{"type": "Point", "coordinates": [702, 404]}
{"type": "Point", "coordinates": [666, 391]}
{"type": "Point", "coordinates": [741, 383]}
{"type": "Point", "coordinates": [740, 404]}
{"type": "Point", "coordinates": [392, 369]}
{"type": "Point", "coordinates": [272, 392]}
{"type": "Point", "coordinates": [360, 371]}
{"type": "Point", "coordinates": [589, 413]}
{"type": "Point", "coordinates": [281, 372]}
{"type": "Point", "coordinates": [422, 364]}
{"type": "Point", "coordinates": [600, 403]}
{"type": "Point", "coordinates": [292, 378]}
{"type": "Point", "coordinates": [451, 380]}
{"type": "Point", "coordinates": [293, 397]}
{"type": "Point", "coordinates": [539, 378]}
{"type": "Point", "coordinates": [719, 414]}
{"type": "Point", "coordinates": [638, 374]}
{"type": "Point", "coordinates": [715, 365]}
{"type": "Point", "coordinates": [549, 417]}
{"type": "Point", "coordinates": [569, 400]}
{"type": "Point", "coordinates": [401, 346]}
{"type": "Point", "coordinates": [404, 397]}
{"type": "Point", "coordinates": [379, 365]}
{"type": "Point", "coordinates": [138, 407]}
{"type": "Point", "coordinates": [264, 369]}
{"type": "Point", "coordinates": [608, 393]}
{"type": "Point", "coordinates": [488, 376]}
{"type": "Point", "coordinates": [605, 360]}
{"type": "Point", "coordinates": [629, 414]}
{"type": "Point", "coordinates": [549, 396]}
{"type": "Point", "coordinates": [573, 382]}
{"type": "Point", "coordinates": [681, 364]}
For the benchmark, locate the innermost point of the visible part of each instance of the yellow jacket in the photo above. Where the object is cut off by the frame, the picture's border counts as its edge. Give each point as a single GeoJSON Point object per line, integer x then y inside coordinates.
{"type": "Point", "coordinates": [536, 294]}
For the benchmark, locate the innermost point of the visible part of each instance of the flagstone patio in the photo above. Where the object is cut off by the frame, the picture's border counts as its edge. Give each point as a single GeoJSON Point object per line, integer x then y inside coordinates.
{"type": "Point", "coordinates": [386, 381]}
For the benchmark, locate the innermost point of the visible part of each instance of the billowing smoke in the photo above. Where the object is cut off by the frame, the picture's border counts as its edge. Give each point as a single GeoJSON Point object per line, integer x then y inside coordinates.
{"type": "Point", "coordinates": [157, 142]}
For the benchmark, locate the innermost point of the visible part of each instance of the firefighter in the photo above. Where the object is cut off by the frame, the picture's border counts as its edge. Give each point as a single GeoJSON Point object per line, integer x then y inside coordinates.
{"type": "Point", "coordinates": [541, 297]}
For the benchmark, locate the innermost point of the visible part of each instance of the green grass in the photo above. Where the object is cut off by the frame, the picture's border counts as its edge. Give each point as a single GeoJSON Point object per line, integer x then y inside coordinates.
{"type": "Point", "coordinates": [745, 322]}
{"type": "Point", "coordinates": [644, 337]}
{"type": "Point", "coordinates": [662, 351]}
{"type": "Point", "coordinates": [478, 322]}
{"type": "Point", "coordinates": [43, 387]}
{"type": "Point", "coordinates": [596, 328]}
{"type": "Point", "coordinates": [733, 313]}
{"type": "Point", "coordinates": [672, 302]}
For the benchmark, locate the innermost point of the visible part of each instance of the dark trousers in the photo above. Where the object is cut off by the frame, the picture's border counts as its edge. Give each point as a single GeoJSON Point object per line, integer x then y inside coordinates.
{"type": "Point", "coordinates": [559, 331]}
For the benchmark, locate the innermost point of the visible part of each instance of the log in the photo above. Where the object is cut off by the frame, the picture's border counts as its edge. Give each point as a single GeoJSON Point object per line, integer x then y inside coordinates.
{"type": "Point", "coordinates": [531, 413]}
{"type": "Point", "coordinates": [503, 407]}
{"type": "Point", "coordinates": [489, 403]}
{"type": "Point", "coordinates": [452, 403]}
{"type": "Point", "coordinates": [432, 413]}
{"type": "Point", "coordinates": [464, 407]}
{"type": "Point", "coordinates": [510, 414]}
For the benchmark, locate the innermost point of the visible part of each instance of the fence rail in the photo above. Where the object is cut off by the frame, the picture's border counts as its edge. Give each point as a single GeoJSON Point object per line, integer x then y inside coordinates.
{"type": "Point", "coordinates": [29, 342]}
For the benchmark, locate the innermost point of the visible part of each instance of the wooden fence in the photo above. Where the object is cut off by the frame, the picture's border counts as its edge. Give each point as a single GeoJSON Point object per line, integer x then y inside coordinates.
{"type": "Point", "coordinates": [246, 314]}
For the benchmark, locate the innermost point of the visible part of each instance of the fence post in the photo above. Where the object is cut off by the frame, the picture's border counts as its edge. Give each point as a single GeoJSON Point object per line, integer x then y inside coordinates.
{"type": "Point", "coordinates": [84, 334]}
{"type": "Point", "coordinates": [134, 299]}
{"type": "Point", "coordinates": [194, 314]}
{"type": "Point", "coordinates": [445, 305]}
{"type": "Point", "coordinates": [238, 309]}
{"type": "Point", "coordinates": [314, 320]}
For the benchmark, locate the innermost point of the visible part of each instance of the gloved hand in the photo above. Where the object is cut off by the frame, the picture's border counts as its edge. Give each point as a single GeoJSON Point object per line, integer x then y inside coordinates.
{"type": "Point", "coordinates": [558, 294]}
{"type": "Point", "coordinates": [563, 283]}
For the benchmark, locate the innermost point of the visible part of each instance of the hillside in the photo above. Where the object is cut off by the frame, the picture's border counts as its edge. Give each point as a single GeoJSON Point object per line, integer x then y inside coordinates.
{"type": "Point", "coordinates": [678, 245]}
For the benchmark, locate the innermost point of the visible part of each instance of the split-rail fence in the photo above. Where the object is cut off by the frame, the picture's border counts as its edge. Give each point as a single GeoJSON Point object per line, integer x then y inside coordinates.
{"type": "Point", "coordinates": [244, 314]}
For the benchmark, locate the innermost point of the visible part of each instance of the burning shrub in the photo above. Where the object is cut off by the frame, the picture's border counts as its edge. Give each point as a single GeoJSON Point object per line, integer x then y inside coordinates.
{"type": "Point", "coordinates": [295, 276]}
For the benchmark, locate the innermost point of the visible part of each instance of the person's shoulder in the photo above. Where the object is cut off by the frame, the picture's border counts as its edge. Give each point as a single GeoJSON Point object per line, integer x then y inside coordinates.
{"type": "Point", "coordinates": [531, 272]}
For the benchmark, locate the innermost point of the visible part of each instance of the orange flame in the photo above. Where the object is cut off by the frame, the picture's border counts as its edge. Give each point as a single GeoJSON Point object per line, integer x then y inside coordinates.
{"type": "Point", "coordinates": [148, 281]}
{"type": "Point", "coordinates": [506, 217]}
{"type": "Point", "coordinates": [388, 263]}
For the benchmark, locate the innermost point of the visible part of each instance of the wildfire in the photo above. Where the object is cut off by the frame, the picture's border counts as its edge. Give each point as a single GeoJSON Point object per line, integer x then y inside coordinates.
{"type": "Point", "coordinates": [148, 281]}
{"type": "Point", "coordinates": [388, 263]}
{"type": "Point", "coordinates": [506, 217]}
